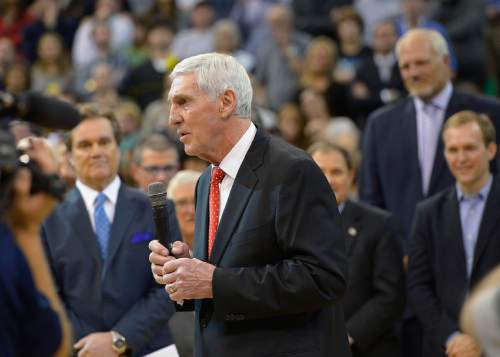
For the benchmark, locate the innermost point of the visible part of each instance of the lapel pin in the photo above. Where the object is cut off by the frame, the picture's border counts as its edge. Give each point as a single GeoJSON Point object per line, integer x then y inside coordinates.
{"type": "Point", "coordinates": [352, 231]}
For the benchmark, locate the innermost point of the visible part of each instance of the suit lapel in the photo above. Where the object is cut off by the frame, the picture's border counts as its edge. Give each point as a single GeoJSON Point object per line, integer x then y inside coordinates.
{"type": "Point", "coordinates": [410, 143]}
{"type": "Point", "coordinates": [124, 214]}
{"type": "Point", "coordinates": [454, 231]}
{"type": "Point", "coordinates": [201, 216]}
{"type": "Point", "coordinates": [489, 222]}
{"type": "Point", "coordinates": [242, 189]}
{"type": "Point", "coordinates": [79, 220]}
{"type": "Point", "coordinates": [349, 218]}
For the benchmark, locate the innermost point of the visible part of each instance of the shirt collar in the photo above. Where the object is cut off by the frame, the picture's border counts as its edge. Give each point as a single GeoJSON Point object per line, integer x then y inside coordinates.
{"type": "Point", "coordinates": [482, 194]}
{"type": "Point", "coordinates": [89, 194]}
{"type": "Point", "coordinates": [440, 100]}
{"type": "Point", "coordinates": [233, 160]}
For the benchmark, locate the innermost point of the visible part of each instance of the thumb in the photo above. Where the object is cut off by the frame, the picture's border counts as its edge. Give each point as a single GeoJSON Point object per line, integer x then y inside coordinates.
{"type": "Point", "coordinates": [80, 343]}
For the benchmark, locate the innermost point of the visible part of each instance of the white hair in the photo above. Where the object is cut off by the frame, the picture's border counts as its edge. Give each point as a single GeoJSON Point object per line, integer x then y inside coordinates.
{"type": "Point", "coordinates": [340, 126]}
{"type": "Point", "coordinates": [181, 178]}
{"type": "Point", "coordinates": [216, 73]}
{"type": "Point", "coordinates": [436, 40]}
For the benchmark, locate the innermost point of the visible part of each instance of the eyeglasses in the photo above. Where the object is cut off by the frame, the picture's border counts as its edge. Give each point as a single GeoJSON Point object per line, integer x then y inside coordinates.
{"type": "Point", "coordinates": [153, 169]}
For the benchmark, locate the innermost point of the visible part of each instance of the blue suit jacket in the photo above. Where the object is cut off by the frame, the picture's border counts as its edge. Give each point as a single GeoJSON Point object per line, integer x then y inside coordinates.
{"type": "Point", "coordinates": [119, 293]}
{"type": "Point", "coordinates": [390, 175]}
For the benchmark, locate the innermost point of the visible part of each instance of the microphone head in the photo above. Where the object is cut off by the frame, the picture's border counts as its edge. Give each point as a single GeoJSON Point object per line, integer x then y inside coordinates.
{"type": "Point", "coordinates": [157, 192]}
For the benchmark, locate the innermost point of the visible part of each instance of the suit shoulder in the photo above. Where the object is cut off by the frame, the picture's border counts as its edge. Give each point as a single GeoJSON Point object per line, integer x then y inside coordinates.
{"type": "Point", "coordinates": [371, 212]}
{"type": "Point", "coordinates": [433, 203]}
{"type": "Point", "coordinates": [389, 112]}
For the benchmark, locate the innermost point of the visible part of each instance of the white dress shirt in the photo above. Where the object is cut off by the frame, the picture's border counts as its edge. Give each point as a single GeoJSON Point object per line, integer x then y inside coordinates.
{"type": "Point", "coordinates": [89, 195]}
{"type": "Point", "coordinates": [231, 165]}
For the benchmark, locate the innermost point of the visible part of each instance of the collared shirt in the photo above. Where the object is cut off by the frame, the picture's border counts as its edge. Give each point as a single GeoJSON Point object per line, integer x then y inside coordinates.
{"type": "Point", "coordinates": [471, 212]}
{"type": "Point", "coordinates": [385, 64]}
{"type": "Point", "coordinates": [231, 164]}
{"type": "Point", "coordinates": [430, 117]}
{"type": "Point", "coordinates": [89, 195]}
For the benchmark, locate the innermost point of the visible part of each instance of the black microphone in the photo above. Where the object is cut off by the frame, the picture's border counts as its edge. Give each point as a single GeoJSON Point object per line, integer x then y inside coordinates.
{"type": "Point", "coordinates": [157, 192]}
{"type": "Point", "coordinates": [40, 109]}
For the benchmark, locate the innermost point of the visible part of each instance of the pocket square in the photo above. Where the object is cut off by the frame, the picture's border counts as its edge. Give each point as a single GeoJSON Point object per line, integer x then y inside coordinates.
{"type": "Point", "coordinates": [141, 236]}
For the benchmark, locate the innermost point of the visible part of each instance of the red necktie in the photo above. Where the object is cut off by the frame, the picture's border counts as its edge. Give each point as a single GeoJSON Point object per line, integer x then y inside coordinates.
{"type": "Point", "coordinates": [214, 203]}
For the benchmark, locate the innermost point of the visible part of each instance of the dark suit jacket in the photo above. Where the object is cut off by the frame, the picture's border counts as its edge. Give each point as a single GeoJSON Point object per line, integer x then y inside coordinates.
{"type": "Point", "coordinates": [120, 293]}
{"type": "Point", "coordinates": [375, 293]}
{"type": "Point", "coordinates": [368, 74]}
{"type": "Point", "coordinates": [280, 258]}
{"type": "Point", "coordinates": [390, 175]}
{"type": "Point", "coordinates": [437, 278]}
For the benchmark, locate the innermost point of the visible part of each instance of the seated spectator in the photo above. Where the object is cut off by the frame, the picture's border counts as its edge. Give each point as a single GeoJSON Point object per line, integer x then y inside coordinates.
{"type": "Point", "coordinates": [414, 16]}
{"type": "Point", "coordinates": [144, 83]}
{"type": "Point", "coordinates": [227, 39]}
{"type": "Point", "coordinates": [101, 87]}
{"type": "Point", "coordinates": [464, 21]}
{"type": "Point", "coordinates": [378, 81]}
{"type": "Point", "coordinates": [121, 29]}
{"type": "Point", "coordinates": [51, 73]}
{"type": "Point", "coordinates": [280, 59]}
{"type": "Point", "coordinates": [7, 57]}
{"type": "Point", "coordinates": [181, 190]}
{"type": "Point", "coordinates": [374, 298]}
{"type": "Point", "coordinates": [14, 17]}
{"type": "Point", "coordinates": [317, 74]}
{"type": "Point", "coordinates": [349, 28]}
{"type": "Point", "coordinates": [17, 78]}
{"type": "Point", "coordinates": [50, 19]}
{"type": "Point", "coordinates": [291, 124]}
{"type": "Point", "coordinates": [101, 37]}
{"type": "Point", "coordinates": [199, 38]}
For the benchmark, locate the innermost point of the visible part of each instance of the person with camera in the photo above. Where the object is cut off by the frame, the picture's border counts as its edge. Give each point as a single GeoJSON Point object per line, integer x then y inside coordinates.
{"type": "Point", "coordinates": [32, 318]}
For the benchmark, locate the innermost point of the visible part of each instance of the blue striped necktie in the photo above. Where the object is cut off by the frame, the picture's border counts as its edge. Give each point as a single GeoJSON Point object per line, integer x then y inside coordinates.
{"type": "Point", "coordinates": [102, 224]}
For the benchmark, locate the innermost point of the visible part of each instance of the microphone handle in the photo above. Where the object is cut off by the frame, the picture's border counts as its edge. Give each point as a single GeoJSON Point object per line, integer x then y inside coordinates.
{"type": "Point", "coordinates": [161, 222]}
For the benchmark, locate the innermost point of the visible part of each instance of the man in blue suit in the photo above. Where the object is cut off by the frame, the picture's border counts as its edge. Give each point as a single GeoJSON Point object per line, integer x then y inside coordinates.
{"type": "Point", "coordinates": [403, 160]}
{"type": "Point", "coordinates": [97, 244]}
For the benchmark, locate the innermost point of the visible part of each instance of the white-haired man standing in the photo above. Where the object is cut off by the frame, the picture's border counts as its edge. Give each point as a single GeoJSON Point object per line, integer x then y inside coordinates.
{"type": "Point", "coordinates": [269, 263]}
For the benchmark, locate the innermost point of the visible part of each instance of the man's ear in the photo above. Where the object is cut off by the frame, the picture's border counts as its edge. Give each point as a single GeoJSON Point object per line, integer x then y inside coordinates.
{"type": "Point", "coordinates": [227, 103]}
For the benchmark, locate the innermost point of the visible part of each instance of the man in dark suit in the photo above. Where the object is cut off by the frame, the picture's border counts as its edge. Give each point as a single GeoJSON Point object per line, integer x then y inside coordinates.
{"type": "Point", "coordinates": [374, 298]}
{"type": "Point", "coordinates": [402, 149]}
{"type": "Point", "coordinates": [97, 245]}
{"type": "Point", "coordinates": [455, 236]}
{"type": "Point", "coordinates": [264, 279]}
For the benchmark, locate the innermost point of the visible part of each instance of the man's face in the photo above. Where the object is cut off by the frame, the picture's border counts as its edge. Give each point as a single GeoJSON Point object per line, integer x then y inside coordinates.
{"type": "Point", "coordinates": [467, 155]}
{"type": "Point", "coordinates": [424, 72]}
{"type": "Point", "coordinates": [335, 169]}
{"type": "Point", "coordinates": [95, 152]}
{"type": "Point", "coordinates": [183, 197]}
{"type": "Point", "coordinates": [156, 166]}
{"type": "Point", "coordinates": [195, 117]}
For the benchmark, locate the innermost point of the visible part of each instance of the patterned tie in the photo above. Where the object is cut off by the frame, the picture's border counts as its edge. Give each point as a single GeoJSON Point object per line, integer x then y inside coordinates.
{"type": "Point", "coordinates": [102, 224]}
{"type": "Point", "coordinates": [214, 202]}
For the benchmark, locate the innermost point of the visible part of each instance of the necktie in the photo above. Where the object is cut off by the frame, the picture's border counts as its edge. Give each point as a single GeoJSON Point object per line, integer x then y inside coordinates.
{"type": "Point", "coordinates": [102, 224]}
{"type": "Point", "coordinates": [214, 205]}
{"type": "Point", "coordinates": [428, 142]}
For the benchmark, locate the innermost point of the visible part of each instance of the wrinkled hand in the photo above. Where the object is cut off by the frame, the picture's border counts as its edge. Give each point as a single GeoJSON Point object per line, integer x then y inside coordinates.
{"type": "Point", "coordinates": [96, 345]}
{"type": "Point", "coordinates": [159, 256]}
{"type": "Point", "coordinates": [188, 279]}
{"type": "Point", "coordinates": [463, 346]}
